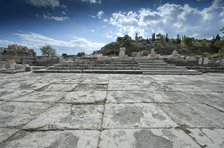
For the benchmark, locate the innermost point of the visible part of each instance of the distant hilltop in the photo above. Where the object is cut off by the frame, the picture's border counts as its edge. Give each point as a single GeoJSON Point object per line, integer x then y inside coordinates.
{"type": "Point", "coordinates": [164, 46]}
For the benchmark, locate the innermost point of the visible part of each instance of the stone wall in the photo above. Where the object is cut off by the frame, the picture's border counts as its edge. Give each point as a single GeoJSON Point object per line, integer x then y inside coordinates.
{"type": "Point", "coordinates": [20, 54]}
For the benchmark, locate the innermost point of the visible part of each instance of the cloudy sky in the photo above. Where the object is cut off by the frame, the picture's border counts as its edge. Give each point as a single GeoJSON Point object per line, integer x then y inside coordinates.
{"type": "Point", "coordinates": [71, 26]}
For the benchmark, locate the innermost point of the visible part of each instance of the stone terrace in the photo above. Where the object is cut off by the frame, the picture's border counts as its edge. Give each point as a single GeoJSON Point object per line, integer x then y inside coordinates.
{"type": "Point", "coordinates": [111, 110]}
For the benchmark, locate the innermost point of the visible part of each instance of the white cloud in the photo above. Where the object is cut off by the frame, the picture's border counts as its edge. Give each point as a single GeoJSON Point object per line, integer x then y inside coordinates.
{"type": "Point", "coordinates": [35, 41]}
{"type": "Point", "coordinates": [171, 18]}
{"type": "Point", "coordinates": [93, 1]}
{"type": "Point", "coordinates": [92, 30]}
{"type": "Point", "coordinates": [109, 35]}
{"type": "Point", "coordinates": [5, 43]}
{"type": "Point", "coordinates": [55, 18]}
{"type": "Point", "coordinates": [100, 14]}
{"type": "Point", "coordinates": [44, 3]}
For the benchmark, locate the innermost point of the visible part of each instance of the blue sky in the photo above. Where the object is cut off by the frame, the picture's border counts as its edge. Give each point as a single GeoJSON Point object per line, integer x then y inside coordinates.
{"type": "Point", "coordinates": [72, 26]}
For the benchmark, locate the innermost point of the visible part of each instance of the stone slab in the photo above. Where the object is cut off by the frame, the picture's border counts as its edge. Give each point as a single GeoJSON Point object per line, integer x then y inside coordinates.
{"type": "Point", "coordinates": [7, 95]}
{"type": "Point", "coordinates": [194, 115]}
{"type": "Point", "coordinates": [128, 96]}
{"type": "Point", "coordinates": [124, 86]}
{"type": "Point", "coordinates": [85, 97]}
{"type": "Point", "coordinates": [136, 115]}
{"type": "Point", "coordinates": [146, 138]}
{"type": "Point", "coordinates": [60, 87]}
{"type": "Point", "coordinates": [23, 85]}
{"type": "Point", "coordinates": [154, 86]}
{"type": "Point", "coordinates": [91, 86]}
{"type": "Point", "coordinates": [14, 114]}
{"type": "Point", "coordinates": [66, 116]}
{"type": "Point", "coordinates": [6, 133]}
{"type": "Point", "coordinates": [53, 139]}
{"type": "Point", "coordinates": [211, 138]}
{"type": "Point", "coordinates": [39, 96]}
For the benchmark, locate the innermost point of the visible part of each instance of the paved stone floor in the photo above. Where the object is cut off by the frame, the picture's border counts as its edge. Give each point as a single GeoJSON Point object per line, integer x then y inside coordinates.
{"type": "Point", "coordinates": [110, 111]}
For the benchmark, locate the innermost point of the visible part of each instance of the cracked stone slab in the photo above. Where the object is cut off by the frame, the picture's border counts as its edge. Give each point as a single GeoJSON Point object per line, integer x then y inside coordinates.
{"type": "Point", "coordinates": [128, 96]}
{"type": "Point", "coordinates": [154, 86]}
{"type": "Point", "coordinates": [194, 115]}
{"type": "Point", "coordinates": [53, 139]}
{"type": "Point", "coordinates": [145, 138]}
{"type": "Point", "coordinates": [24, 85]}
{"type": "Point", "coordinates": [102, 79]}
{"type": "Point", "coordinates": [171, 96]}
{"type": "Point", "coordinates": [85, 97]}
{"type": "Point", "coordinates": [91, 86]}
{"type": "Point", "coordinates": [41, 97]}
{"type": "Point", "coordinates": [211, 138]}
{"type": "Point", "coordinates": [124, 86]}
{"type": "Point", "coordinates": [67, 116]}
{"type": "Point", "coordinates": [8, 95]}
{"type": "Point", "coordinates": [213, 99]}
{"type": "Point", "coordinates": [60, 87]}
{"type": "Point", "coordinates": [14, 114]}
{"type": "Point", "coordinates": [6, 133]}
{"type": "Point", "coordinates": [136, 115]}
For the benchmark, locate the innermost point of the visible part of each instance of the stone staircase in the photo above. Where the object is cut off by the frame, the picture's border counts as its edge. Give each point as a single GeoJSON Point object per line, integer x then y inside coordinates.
{"type": "Point", "coordinates": [119, 65]}
{"type": "Point", "coordinates": [159, 67]}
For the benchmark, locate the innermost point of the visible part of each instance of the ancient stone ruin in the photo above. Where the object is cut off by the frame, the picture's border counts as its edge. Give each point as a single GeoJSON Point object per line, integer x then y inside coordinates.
{"type": "Point", "coordinates": [16, 58]}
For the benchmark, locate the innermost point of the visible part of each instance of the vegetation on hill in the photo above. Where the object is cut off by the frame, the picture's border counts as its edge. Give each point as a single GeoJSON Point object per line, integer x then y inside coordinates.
{"type": "Point", "coordinates": [48, 51]}
{"type": "Point", "coordinates": [165, 46]}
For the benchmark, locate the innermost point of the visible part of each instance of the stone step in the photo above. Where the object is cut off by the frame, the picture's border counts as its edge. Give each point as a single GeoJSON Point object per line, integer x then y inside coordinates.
{"type": "Point", "coordinates": [164, 68]}
{"type": "Point", "coordinates": [112, 64]}
{"type": "Point", "coordinates": [101, 68]}
{"type": "Point", "coordinates": [170, 72]}
{"type": "Point", "coordinates": [153, 65]}
{"type": "Point", "coordinates": [57, 71]}
{"type": "Point", "coordinates": [114, 71]}
{"type": "Point", "coordinates": [97, 66]}
{"type": "Point", "coordinates": [91, 71]}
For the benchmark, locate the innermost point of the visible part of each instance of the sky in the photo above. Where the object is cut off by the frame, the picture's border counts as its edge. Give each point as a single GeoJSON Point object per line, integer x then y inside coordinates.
{"type": "Point", "coordinates": [72, 26]}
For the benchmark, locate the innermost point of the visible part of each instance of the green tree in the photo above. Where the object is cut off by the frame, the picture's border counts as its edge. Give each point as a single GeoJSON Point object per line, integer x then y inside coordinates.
{"type": "Point", "coordinates": [64, 55]}
{"type": "Point", "coordinates": [136, 36]}
{"type": "Point", "coordinates": [167, 38]}
{"type": "Point", "coordinates": [48, 51]}
{"type": "Point", "coordinates": [178, 39]}
{"type": "Point", "coordinates": [221, 52]}
{"type": "Point", "coordinates": [153, 37]}
{"type": "Point", "coordinates": [188, 41]}
{"type": "Point", "coordinates": [160, 37]}
{"type": "Point", "coordinates": [80, 54]}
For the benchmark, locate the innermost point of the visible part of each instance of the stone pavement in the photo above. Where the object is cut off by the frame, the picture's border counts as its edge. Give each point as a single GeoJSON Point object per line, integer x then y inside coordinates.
{"type": "Point", "coordinates": [110, 111]}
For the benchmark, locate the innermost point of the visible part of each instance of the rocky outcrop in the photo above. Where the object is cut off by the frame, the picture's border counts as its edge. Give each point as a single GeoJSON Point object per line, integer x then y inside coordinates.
{"type": "Point", "coordinates": [21, 54]}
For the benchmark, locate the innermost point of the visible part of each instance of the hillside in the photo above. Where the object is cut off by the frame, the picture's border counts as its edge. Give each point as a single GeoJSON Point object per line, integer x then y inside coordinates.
{"type": "Point", "coordinates": [184, 46]}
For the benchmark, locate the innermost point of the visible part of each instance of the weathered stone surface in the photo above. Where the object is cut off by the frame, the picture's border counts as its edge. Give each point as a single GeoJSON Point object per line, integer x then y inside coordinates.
{"type": "Point", "coordinates": [64, 110]}
{"type": "Point", "coordinates": [91, 86]}
{"type": "Point", "coordinates": [128, 96]}
{"type": "Point", "coordinates": [6, 133]}
{"type": "Point", "coordinates": [192, 115]}
{"type": "Point", "coordinates": [123, 86]}
{"type": "Point", "coordinates": [145, 138]}
{"type": "Point", "coordinates": [65, 116]}
{"type": "Point", "coordinates": [85, 97]}
{"type": "Point", "coordinates": [60, 87]}
{"type": "Point", "coordinates": [2, 65]}
{"type": "Point", "coordinates": [135, 116]}
{"type": "Point", "coordinates": [209, 137]}
{"type": "Point", "coordinates": [53, 139]}
{"type": "Point", "coordinates": [8, 95]}
{"type": "Point", "coordinates": [42, 97]}
{"type": "Point", "coordinates": [13, 114]}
